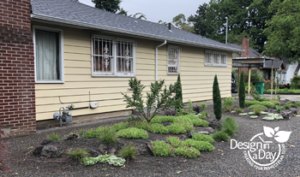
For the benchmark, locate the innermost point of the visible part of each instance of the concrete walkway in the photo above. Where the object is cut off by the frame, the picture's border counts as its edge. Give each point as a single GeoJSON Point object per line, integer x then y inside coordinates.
{"type": "Point", "coordinates": [282, 97]}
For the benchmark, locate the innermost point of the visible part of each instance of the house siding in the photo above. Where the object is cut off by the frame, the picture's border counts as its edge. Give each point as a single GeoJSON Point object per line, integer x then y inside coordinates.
{"type": "Point", "coordinates": [196, 79]}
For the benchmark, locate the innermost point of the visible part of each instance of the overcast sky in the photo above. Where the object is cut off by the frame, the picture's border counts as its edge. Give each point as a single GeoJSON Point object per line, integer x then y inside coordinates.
{"type": "Point", "coordinates": [156, 10]}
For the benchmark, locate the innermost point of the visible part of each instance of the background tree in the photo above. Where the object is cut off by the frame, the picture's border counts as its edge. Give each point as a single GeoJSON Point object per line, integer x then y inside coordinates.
{"type": "Point", "coordinates": [244, 15]}
{"type": "Point", "coordinates": [178, 94]}
{"type": "Point", "coordinates": [108, 5]}
{"type": "Point", "coordinates": [242, 91]}
{"type": "Point", "coordinates": [238, 38]}
{"type": "Point", "coordinates": [283, 30]}
{"type": "Point", "coordinates": [139, 16]}
{"type": "Point", "coordinates": [217, 99]}
{"type": "Point", "coordinates": [123, 12]}
{"type": "Point", "coordinates": [182, 23]}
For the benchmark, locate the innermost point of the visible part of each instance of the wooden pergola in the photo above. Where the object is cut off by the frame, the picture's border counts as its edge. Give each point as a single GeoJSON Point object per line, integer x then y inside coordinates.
{"type": "Point", "coordinates": [248, 62]}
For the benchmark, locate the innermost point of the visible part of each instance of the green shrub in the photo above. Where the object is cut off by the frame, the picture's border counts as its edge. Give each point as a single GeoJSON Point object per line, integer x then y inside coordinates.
{"type": "Point", "coordinates": [249, 103]}
{"type": "Point", "coordinates": [267, 104]}
{"type": "Point", "coordinates": [161, 148]}
{"type": "Point", "coordinates": [221, 136]}
{"type": "Point", "coordinates": [204, 114]}
{"type": "Point", "coordinates": [178, 128]}
{"type": "Point", "coordinates": [108, 137]}
{"type": "Point", "coordinates": [160, 119]}
{"type": "Point", "coordinates": [279, 109]}
{"type": "Point", "coordinates": [238, 110]}
{"type": "Point", "coordinates": [229, 126]}
{"type": "Point", "coordinates": [257, 110]}
{"type": "Point", "coordinates": [200, 145]}
{"type": "Point", "coordinates": [174, 141]}
{"type": "Point", "coordinates": [201, 137]}
{"type": "Point", "coordinates": [200, 123]}
{"type": "Point", "coordinates": [158, 128]}
{"type": "Point", "coordinates": [54, 137]}
{"type": "Point", "coordinates": [140, 125]}
{"type": "Point", "coordinates": [78, 154]}
{"type": "Point", "coordinates": [128, 152]}
{"type": "Point", "coordinates": [257, 105]}
{"type": "Point", "coordinates": [217, 99]}
{"type": "Point", "coordinates": [178, 94]}
{"type": "Point", "coordinates": [187, 152]}
{"type": "Point", "coordinates": [287, 106]}
{"type": "Point", "coordinates": [133, 133]}
{"type": "Point", "coordinates": [242, 91]}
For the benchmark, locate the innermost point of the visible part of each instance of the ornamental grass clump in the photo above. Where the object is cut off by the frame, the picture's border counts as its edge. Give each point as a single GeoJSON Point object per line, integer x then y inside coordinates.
{"type": "Point", "coordinates": [78, 154]}
{"type": "Point", "coordinates": [158, 128]}
{"type": "Point", "coordinates": [133, 133]}
{"type": "Point", "coordinates": [221, 136]}
{"type": "Point", "coordinates": [238, 110]}
{"type": "Point", "coordinates": [174, 141]}
{"type": "Point", "coordinates": [128, 152]}
{"type": "Point", "coordinates": [200, 145]}
{"type": "Point", "coordinates": [230, 126]}
{"type": "Point", "coordinates": [189, 152]}
{"type": "Point", "coordinates": [161, 148]}
{"type": "Point", "coordinates": [108, 137]}
{"type": "Point", "coordinates": [257, 110]}
{"type": "Point", "coordinates": [54, 137]}
{"type": "Point", "coordinates": [201, 137]}
{"type": "Point", "coordinates": [227, 104]}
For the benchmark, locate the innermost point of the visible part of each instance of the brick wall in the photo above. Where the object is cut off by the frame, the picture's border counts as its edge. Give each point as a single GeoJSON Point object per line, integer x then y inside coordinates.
{"type": "Point", "coordinates": [17, 95]}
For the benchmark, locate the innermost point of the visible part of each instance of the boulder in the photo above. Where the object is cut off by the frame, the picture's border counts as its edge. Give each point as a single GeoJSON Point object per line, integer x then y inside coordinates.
{"type": "Point", "coordinates": [72, 136]}
{"type": "Point", "coordinates": [209, 129]}
{"type": "Point", "coordinates": [94, 153]}
{"type": "Point", "coordinates": [51, 151]}
{"type": "Point", "coordinates": [183, 137]}
{"type": "Point", "coordinates": [215, 124]}
{"type": "Point", "coordinates": [142, 149]}
{"type": "Point", "coordinates": [203, 132]}
{"type": "Point", "coordinates": [38, 150]}
{"type": "Point", "coordinates": [103, 148]}
{"type": "Point", "coordinates": [190, 134]}
{"type": "Point", "coordinates": [45, 142]}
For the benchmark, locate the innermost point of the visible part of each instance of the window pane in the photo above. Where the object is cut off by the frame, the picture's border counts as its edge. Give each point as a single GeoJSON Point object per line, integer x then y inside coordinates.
{"type": "Point", "coordinates": [207, 58]}
{"type": "Point", "coordinates": [124, 57]}
{"type": "Point", "coordinates": [173, 60]}
{"type": "Point", "coordinates": [223, 59]}
{"type": "Point", "coordinates": [103, 55]}
{"type": "Point", "coordinates": [216, 58]}
{"type": "Point", "coordinates": [47, 56]}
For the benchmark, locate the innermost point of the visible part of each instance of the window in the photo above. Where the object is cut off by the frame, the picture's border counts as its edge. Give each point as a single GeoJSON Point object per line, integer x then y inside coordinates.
{"type": "Point", "coordinates": [48, 55]}
{"type": "Point", "coordinates": [173, 59]}
{"type": "Point", "coordinates": [214, 58]}
{"type": "Point", "coordinates": [112, 57]}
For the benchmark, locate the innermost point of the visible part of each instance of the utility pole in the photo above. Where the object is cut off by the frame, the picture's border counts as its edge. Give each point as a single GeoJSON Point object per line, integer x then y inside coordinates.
{"type": "Point", "coordinates": [226, 28]}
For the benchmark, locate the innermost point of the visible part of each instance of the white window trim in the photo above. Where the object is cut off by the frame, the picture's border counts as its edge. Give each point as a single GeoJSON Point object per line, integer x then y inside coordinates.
{"type": "Point", "coordinates": [61, 59]}
{"type": "Point", "coordinates": [178, 65]}
{"type": "Point", "coordinates": [114, 73]}
{"type": "Point", "coordinates": [212, 58]}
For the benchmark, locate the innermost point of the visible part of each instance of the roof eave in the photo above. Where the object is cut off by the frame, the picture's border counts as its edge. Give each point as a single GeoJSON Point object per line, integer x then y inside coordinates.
{"type": "Point", "coordinates": [150, 36]}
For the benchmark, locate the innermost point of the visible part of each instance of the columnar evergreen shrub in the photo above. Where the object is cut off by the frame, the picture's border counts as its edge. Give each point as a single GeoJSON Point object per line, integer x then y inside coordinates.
{"type": "Point", "coordinates": [242, 91]}
{"type": "Point", "coordinates": [217, 99]}
{"type": "Point", "coordinates": [178, 94]}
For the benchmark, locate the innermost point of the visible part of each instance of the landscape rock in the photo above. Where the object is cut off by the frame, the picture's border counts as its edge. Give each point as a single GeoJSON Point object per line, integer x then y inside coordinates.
{"type": "Point", "coordinates": [51, 151]}
{"type": "Point", "coordinates": [72, 136]}
{"type": "Point", "coordinates": [103, 148]}
{"type": "Point", "coordinates": [112, 151]}
{"type": "Point", "coordinates": [183, 137]}
{"type": "Point", "coordinates": [120, 144]}
{"type": "Point", "coordinates": [45, 142]}
{"type": "Point", "coordinates": [203, 132]}
{"type": "Point", "coordinates": [209, 129]}
{"type": "Point", "coordinates": [94, 153]}
{"type": "Point", "coordinates": [190, 134]}
{"type": "Point", "coordinates": [38, 150]}
{"type": "Point", "coordinates": [142, 148]}
{"type": "Point", "coordinates": [215, 124]}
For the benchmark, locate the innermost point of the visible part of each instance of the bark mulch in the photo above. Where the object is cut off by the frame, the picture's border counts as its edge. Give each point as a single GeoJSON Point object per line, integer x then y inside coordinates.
{"type": "Point", "coordinates": [221, 162]}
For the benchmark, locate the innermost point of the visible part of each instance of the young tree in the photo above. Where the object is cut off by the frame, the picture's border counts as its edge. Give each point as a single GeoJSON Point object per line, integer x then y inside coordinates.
{"type": "Point", "coordinates": [217, 99]}
{"type": "Point", "coordinates": [182, 23]}
{"type": "Point", "coordinates": [178, 96]}
{"type": "Point", "coordinates": [283, 30]}
{"type": "Point", "coordinates": [242, 91]}
{"type": "Point", "coordinates": [108, 5]}
{"type": "Point", "coordinates": [163, 96]}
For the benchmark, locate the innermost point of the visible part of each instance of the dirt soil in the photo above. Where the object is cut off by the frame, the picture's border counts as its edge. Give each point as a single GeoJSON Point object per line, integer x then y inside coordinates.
{"type": "Point", "coordinates": [221, 162]}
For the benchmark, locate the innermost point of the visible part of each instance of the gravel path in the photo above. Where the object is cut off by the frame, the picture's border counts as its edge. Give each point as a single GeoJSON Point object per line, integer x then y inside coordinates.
{"type": "Point", "coordinates": [221, 162]}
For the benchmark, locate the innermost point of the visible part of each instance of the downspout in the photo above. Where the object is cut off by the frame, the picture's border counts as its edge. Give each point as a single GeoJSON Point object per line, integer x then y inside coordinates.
{"type": "Point", "coordinates": [156, 64]}
{"type": "Point", "coordinates": [156, 59]}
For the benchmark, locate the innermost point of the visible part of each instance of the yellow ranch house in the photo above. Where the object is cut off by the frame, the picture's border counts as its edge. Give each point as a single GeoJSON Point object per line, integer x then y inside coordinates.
{"type": "Point", "coordinates": [72, 54]}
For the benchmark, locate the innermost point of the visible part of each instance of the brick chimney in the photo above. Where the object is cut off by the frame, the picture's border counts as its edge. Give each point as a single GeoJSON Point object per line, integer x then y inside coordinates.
{"type": "Point", "coordinates": [245, 47]}
{"type": "Point", "coordinates": [17, 82]}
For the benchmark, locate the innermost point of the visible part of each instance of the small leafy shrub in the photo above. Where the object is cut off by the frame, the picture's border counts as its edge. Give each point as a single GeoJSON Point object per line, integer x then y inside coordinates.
{"type": "Point", "coordinates": [287, 106]}
{"type": "Point", "coordinates": [228, 103]}
{"type": "Point", "coordinates": [174, 141]}
{"type": "Point", "coordinates": [200, 123]}
{"type": "Point", "coordinates": [257, 110]}
{"type": "Point", "coordinates": [185, 151]}
{"type": "Point", "coordinates": [176, 128]}
{"type": "Point", "coordinates": [54, 137]}
{"type": "Point", "coordinates": [204, 114]}
{"type": "Point", "coordinates": [203, 106]}
{"type": "Point", "coordinates": [78, 154]}
{"type": "Point", "coordinates": [279, 109]}
{"type": "Point", "coordinates": [161, 148]}
{"type": "Point", "coordinates": [158, 128]}
{"type": "Point", "coordinates": [200, 145]}
{"type": "Point", "coordinates": [132, 118]}
{"type": "Point", "coordinates": [257, 105]}
{"type": "Point", "coordinates": [108, 137]}
{"type": "Point", "coordinates": [238, 110]}
{"type": "Point", "coordinates": [128, 152]}
{"type": "Point", "coordinates": [229, 126]}
{"type": "Point", "coordinates": [201, 137]}
{"type": "Point", "coordinates": [133, 133]}
{"type": "Point", "coordinates": [170, 112]}
{"type": "Point", "coordinates": [196, 109]}
{"type": "Point", "coordinates": [221, 136]}
{"type": "Point", "coordinates": [81, 132]}
{"type": "Point", "coordinates": [160, 119]}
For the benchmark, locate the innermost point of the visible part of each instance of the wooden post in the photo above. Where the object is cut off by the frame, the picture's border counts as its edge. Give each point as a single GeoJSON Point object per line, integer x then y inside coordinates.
{"type": "Point", "coordinates": [249, 80]}
{"type": "Point", "coordinates": [272, 81]}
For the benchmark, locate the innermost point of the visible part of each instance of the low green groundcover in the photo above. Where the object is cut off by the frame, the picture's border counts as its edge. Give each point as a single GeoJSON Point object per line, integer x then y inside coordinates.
{"type": "Point", "coordinates": [133, 133]}
{"type": "Point", "coordinates": [110, 159]}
